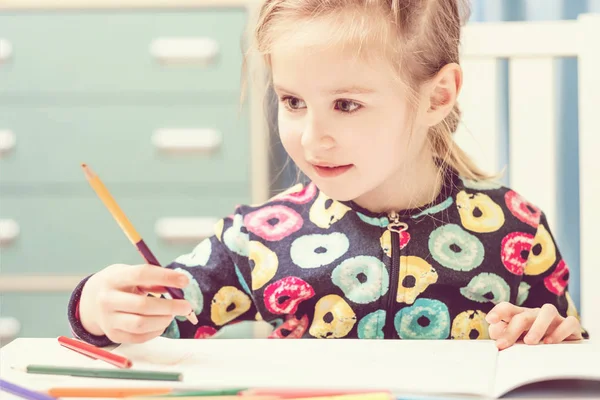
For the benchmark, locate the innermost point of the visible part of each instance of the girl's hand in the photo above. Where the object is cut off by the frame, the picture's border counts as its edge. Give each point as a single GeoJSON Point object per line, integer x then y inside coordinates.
{"type": "Point", "coordinates": [508, 323]}
{"type": "Point", "coordinates": [115, 302]}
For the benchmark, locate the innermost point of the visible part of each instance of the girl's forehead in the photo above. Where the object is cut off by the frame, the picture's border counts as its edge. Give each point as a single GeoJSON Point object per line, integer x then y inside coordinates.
{"type": "Point", "coordinates": [331, 68]}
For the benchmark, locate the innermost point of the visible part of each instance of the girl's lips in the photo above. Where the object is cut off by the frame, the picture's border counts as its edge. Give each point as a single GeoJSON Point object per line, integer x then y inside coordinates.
{"type": "Point", "coordinates": [331, 172]}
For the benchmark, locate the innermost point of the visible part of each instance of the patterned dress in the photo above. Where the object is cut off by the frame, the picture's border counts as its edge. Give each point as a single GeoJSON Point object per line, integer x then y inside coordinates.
{"type": "Point", "coordinates": [315, 267]}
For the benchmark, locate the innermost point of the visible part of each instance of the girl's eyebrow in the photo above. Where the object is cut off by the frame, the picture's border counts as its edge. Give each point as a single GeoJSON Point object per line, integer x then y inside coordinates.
{"type": "Point", "coordinates": [334, 92]}
{"type": "Point", "coordinates": [351, 90]}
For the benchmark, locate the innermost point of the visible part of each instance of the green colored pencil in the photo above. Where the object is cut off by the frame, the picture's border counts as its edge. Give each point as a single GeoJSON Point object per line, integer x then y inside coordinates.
{"type": "Point", "coordinates": [204, 393]}
{"type": "Point", "coordinates": [105, 373]}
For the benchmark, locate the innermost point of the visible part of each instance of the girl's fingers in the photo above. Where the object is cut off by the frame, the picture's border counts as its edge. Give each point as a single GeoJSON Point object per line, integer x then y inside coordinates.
{"type": "Point", "coordinates": [518, 324]}
{"type": "Point", "coordinates": [568, 328]}
{"type": "Point", "coordinates": [547, 316]}
{"type": "Point", "coordinates": [119, 336]}
{"type": "Point", "coordinates": [140, 324]}
{"type": "Point", "coordinates": [496, 330]}
{"type": "Point", "coordinates": [504, 311]}
{"type": "Point", "coordinates": [143, 305]}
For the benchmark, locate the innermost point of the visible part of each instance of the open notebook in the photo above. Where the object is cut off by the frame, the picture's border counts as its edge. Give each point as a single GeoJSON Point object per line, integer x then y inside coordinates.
{"type": "Point", "coordinates": [471, 368]}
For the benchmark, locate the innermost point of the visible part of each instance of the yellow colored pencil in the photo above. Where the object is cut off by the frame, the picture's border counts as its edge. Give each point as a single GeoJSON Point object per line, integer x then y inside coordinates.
{"type": "Point", "coordinates": [127, 227]}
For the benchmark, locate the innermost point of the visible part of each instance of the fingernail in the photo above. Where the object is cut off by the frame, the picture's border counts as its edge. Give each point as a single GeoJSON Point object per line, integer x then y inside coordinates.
{"type": "Point", "coordinates": [183, 280]}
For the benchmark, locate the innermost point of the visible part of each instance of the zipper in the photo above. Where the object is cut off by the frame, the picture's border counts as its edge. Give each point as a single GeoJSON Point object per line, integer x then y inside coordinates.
{"type": "Point", "coordinates": [395, 227]}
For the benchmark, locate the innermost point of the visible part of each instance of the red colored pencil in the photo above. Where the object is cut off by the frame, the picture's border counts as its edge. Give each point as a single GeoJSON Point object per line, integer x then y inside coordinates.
{"type": "Point", "coordinates": [95, 352]}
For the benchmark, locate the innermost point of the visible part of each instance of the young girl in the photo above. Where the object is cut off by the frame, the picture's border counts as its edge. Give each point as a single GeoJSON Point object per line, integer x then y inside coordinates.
{"type": "Point", "coordinates": [397, 234]}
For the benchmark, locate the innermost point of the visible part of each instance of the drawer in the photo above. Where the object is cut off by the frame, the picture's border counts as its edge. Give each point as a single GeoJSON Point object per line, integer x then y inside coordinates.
{"type": "Point", "coordinates": [110, 51]}
{"type": "Point", "coordinates": [200, 143]}
{"type": "Point", "coordinates": [40, 315]}
{"type": "Point", "coordinates": [76, 235]}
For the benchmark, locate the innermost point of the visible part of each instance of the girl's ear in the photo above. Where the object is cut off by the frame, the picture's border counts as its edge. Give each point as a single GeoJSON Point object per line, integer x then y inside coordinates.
{"type": "Point", "coordinates": [442, 92]}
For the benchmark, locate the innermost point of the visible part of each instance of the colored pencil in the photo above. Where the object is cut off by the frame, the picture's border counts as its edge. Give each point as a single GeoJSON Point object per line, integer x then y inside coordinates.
{"type": "Point", "coordinates": [206, 393]}
{"type": "Point", "coordinates": [356, 396]}
{"type": "Point", "coordinates": [104, 373]}
{"type": "Point", "coordinates": [201, 397]}
{"type": "Point", "coordinates": [106, 392]}
{"type": "Point", "coordinates": [305, 393]}
{"type": "Point", "coordinates": [23, 392]}
{"type": "Point", "coordinates": [127, 227]}
{"type": "Point", "coordinates": [95, 352]}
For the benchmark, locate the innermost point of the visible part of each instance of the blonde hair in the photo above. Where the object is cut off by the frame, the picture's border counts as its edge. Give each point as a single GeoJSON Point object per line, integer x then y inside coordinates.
{"type": "Point", "coordinates": [420, 37]}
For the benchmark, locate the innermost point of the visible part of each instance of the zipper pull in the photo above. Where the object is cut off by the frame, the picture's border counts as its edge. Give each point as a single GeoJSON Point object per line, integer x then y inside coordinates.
{"type": "Point", "coordinates": [395, 224]}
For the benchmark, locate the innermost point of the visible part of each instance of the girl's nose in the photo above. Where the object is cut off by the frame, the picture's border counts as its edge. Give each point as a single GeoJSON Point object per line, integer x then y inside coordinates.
{"type": "Point", "coordinates": [315, 137]}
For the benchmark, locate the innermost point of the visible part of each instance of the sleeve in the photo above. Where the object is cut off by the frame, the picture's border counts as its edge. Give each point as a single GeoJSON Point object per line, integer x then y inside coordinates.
{"type": "Point", "coordinates": [219, 288]}
{"type": "Point", "coordinates": [220, 281]}
{"type": "Point", "coordinates": [546, 275]}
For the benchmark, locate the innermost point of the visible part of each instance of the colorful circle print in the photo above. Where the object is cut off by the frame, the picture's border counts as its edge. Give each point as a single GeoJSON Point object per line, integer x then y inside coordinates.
{"type": "Point", "coordinates": [228, 304]}
{"type": "Point", "coordinates": [487, 287]}
{"type": "Point", "coordinates": [479, 213]}
{"type": "Point", "coordinates": [371, 325]}
{"type": "Point", "coordinates": [273, 223]}
{"type": "Point", "coordinates": [298, 194]}
{"type": "Point", "coordinates": [454, 248]}
{"type": "Point", "coordinates": [292, 328]}
{"type": "Point", "coordinates": [515, 248]}
{"type": "Point", "coordinates": [363, 279]}
{"type": "Point", "coordinates": [522, 209]}
{"type": "Point", "coordinates": [557, 281]}
{"type": "Point", "coordinates": [265, 264]}
{"type": "Point", "coordinates": [543, 253]}
{"type": "Point", "coordinates": [418, 275]}
{"type": "Point", "coordinates": [470, 325]}
{"type": "Point", "coordinates": [314, 251]}
{"type": "Point", "coordinates": [333, 318]}
{"type": "Point", "coordinates": [325, 212]}
{"type": "Point", "coordinates": [285, 295]}
{"type": "Point", "coordinates": [426, 319]}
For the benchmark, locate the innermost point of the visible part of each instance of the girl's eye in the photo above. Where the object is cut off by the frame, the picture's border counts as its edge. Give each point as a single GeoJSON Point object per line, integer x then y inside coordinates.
{"type": "Point", "coordinates": [293, 103]}
{"type": "Point", "coordinates": [346, 106]}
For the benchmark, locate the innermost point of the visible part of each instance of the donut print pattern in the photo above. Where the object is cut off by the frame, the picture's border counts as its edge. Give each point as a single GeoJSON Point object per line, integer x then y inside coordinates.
{"type": "Point", "coordinates": [487, 287]}
{"type": "Point", "coordinates": [362, 279]}
{"type": "Point", "coordinates": [386, 241]}
{"type": "Point", "coordinates": [470, 325]}
{"type": "Point", "coordinates": [317, 250]}
{"type": "Point", "coordinates": [285, 295]}
{"type": "Point", "coordinates": [298, 194]}
{"type": "Point", "coordinates": [426, 319]}
{"type": "Point", "coordinates": [371, 325]}
{"type": "Point", "coordinates": [198, 257]}
{"type": "Point", "coordinates": [516, 247]}
{"type": "Point", "coordinates": [265, 264]}
{"type": "Point", "coordinates": [479, 213]}
{"type": "Point", "coordinates": [273, 223]}
{"type": "Point", "coordinates": [310, 266]}
{"type": "Point", "coordinates": [228, 304]}
{"type": "Point", "coordinates": [325, 211]}
{"type": "Point", "coordinates": [455, 248]}
{"type": "Point", "coordinates": [522, 209]}
{"type": "Point", "coordinates": [333, 318]}
{"type": "Point", "coordinates": [418, 275]}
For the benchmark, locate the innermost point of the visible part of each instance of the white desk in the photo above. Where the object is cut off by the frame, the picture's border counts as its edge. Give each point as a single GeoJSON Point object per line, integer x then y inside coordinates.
{"type": "Point", "coordinates": [295, 363]}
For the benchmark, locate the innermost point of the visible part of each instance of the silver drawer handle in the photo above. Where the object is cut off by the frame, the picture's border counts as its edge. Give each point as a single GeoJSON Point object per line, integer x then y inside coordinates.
{"type": "Point", "coordinates": [185, 230]}
{"type": "Point", "coordinates": [9, 231]}
{"type": "Point", "coordinates": [9, 328]}
{"type": "Point", "coordinates": [8, 140]}
{"type": "Point", "coordinates": [187, 140]}
{"type": "Point", "coordinates": [201, 50]}
{"type": "Point", "coordinates": [5, 50]}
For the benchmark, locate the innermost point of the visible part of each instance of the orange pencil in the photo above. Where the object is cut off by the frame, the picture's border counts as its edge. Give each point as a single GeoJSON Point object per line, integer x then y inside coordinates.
{"type": "Point", "coordinates": [129, 230]}
{"type": "Point", "coordinates": [106, 392]}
